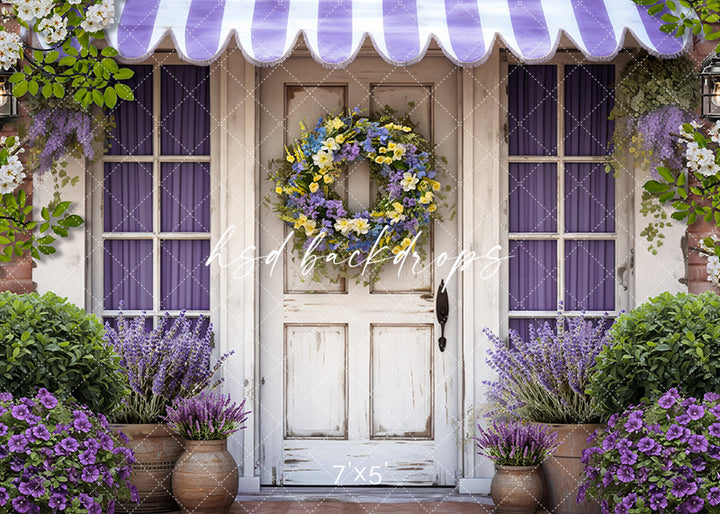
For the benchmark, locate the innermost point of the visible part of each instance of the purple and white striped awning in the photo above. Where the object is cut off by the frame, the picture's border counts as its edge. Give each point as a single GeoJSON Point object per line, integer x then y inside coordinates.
{"type": "Point", "coordinates": [401, 30]}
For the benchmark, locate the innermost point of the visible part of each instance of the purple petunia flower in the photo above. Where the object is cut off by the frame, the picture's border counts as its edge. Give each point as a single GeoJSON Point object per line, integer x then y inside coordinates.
{"type": "Point", "coordinates": [90, 474]}
{"type": "Point", "coordinates": [668, 399]}
{"type": "Point", "coordinates": [674, 432]}
{"type": "Point", "coordinates": [41, 432]}
{"type": "Point", "coordinates": [682, 487]}
{"type": "Point", "coordinates": [694, 504]}
{"type": "Point", "coordinates": [713, 496]}
{"type": "Point", "coordinates": [714, 429]}
{"type": "Point", "coordinates": [628, 457]}
{"type": "Point", "coordinates": [46, 398]}
{"type": "Point", "coordinates": [32, 488]}
{"type": "Point", "coordinates": [70, 445]}
{"type": "Point", "coordinates": [697, 443]}
{"type": "Point", "coordinates": [683, 419]}
{"type": "Point", "coordinates": [696, 412]}
{"type": "Point", "coordinates": [88, 457]}
{"type": "Point", "coordinates": [22, 504]}
{"type": "Point", "coordinates": [4, 496]}
{"type": "Point", "coordinates": [57, 501]}
{"type": "Point", "coordinates": [633, 424]}
{"type": "Point", "coordinates": [625, 474]}
{"type": "Point", "coordinates": [17, 443]}
{"type": "Point", "coordinates": [20, 412]}
{"type": "Point", "coordinates": [648, 446]}
{"type": "Point", "coordinates": [658, 501]}
{"type": "Point", "coordinates": [81, 421]}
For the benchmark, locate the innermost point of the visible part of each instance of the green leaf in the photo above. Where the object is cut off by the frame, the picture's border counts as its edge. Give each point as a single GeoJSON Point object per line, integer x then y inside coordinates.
{"type": "Point", "coordinates": [72, 221]}
{"type": "Point", "coordinates": [655, 187]}
{"type": "Point", "coordinates": [655, 9]}
{"type": "Point", "coordinates": [47, 90]}
{"type": "Point", "coordinates": [61, 208]}
{"type": "Point", "coordinates": [98, 98]}
{"type": "Point", "coordinates": [68, 60]}
{"type": "Point", "coordinates": [52, 56]}
{"type": "Point", "coordinates": [33, 87]}
{"type": "Point", "coordinates": [20, 88]}
{"type": "Point", "coordinates": [124, 92]}
{"type": "Point", "coordinates": [16, 77]}
{"type": "Point", "coordinates": [58, 90]}
{"type": "Point", "coordinates": [61, 231]}
{"type": "Point", "coordinates": [47, 250]}
{"type": "Point", "coordinates": [681, 180]}
{"type": "Point", "coordinates": [110, 97]}
{"type": "Point", "coordinates": [79, 95]}
{"type": "Point", "coordinates": [110, 65]}
{"type": "Point", "coordinates": [46, 240]}
{"type": "Point", "coordinates": [124, 74]}
{"type": "Point", "coordinates": [108, 51]}
{"type": "Point", "coordinates": [666, 174]}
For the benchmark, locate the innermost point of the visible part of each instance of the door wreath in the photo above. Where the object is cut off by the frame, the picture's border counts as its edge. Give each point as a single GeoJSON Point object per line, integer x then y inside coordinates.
{"type": "Point", "coordinates": [400, 164]}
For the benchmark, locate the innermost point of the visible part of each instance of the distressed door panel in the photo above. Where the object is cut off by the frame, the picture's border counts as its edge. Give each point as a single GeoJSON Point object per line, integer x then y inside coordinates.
{"type": "Point", "coordinates": [315, 381]}
{"type": "Point", "coordinates": [401, 393]}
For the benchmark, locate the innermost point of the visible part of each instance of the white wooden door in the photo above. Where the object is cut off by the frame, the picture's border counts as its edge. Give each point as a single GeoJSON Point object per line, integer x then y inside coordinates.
{"type": "Point", "coordinates": [354, 389]}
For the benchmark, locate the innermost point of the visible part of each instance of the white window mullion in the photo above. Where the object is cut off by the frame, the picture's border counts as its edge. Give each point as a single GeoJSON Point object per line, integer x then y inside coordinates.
{"type": "Point", "coordinates": [560, 203]}
{"type": "Point", "coordinates": [156, 192]}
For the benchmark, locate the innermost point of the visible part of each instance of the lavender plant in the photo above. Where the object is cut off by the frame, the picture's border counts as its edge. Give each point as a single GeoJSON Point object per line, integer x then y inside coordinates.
{"type": "Point", "coordinates": [662, 457]}
{"type": "Point", "coordinates": [515, 443]}
{"type": "Point", "coordinates": [544, 378]}
{"type": "Point", "coordinates": [206, 417]}
{"type": "Point", "coordinates": [60, 457]}
{"type": "Point", "coordinates": [171, 361]}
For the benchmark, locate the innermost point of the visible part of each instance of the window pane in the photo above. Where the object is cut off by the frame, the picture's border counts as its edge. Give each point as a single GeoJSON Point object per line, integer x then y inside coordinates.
{"type": "Point", "coordinates": [532, 106]}
{"type": "Point", "coordinates": [132, 134]}
{"type": "Point", "coordinates": [588, 101]}
{"type": "Point", "coordinates": [184, 278]}
{"type": "Point", "coordinates": [590, 275]}
{"type": "Point", "coordinates": [185, 197]}
{"type": "Point", "coordinates": [522, 325]}
{"type": "Point", "coordinates": [127, 274]}
{"type": "Point", "coordinates": [533, 275]}
{"type": "Point", "coordinates": [185, 110]}
{"type": "Point", "coordinates": [533, 195]}
{"type": "Point", "coordinates": [589, 198]}
{"type": "Point", "coordinates": [128, 197]}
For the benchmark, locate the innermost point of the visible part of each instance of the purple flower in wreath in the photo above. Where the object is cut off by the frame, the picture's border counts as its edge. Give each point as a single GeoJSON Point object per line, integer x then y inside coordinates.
{"type": "Point", "coordinates": [698, 464]}
{"type": "Point", "coordinates": [682, 487]}
{"type": "Point", "coordinates": [57, 501]}
{"type": "Point", "coordinates": [88, 457]}
{"type": "Point", "coordinates": [41, 432]}
{"type": "Point", "coordinates": [23, 505]}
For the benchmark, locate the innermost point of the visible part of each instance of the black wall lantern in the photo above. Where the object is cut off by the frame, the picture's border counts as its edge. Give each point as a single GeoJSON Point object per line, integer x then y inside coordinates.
{"type": "Point", "coordinates": [8, 103]}
{"type": "Point", "coordinates": [710, 76]}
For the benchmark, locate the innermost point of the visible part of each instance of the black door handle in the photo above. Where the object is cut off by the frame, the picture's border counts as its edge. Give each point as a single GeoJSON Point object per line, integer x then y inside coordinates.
{"type": "Point", "coordinates": [442, 309]}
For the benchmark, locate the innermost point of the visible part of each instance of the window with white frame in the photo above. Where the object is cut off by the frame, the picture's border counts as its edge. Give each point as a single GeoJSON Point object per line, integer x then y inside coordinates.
{"type": "Point", "coordinates": [156, 197]}
{"type": "Point", "coordinates": [562, 225]}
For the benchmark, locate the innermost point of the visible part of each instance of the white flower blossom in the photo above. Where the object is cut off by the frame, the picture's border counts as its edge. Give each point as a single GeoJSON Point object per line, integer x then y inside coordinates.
{"type": "Point", "coordinates": [54, 28]}
{"type": "Point", "coordinates": [98, 16]}
{"type": "Point", "coordinates": [11, 175]}
{"type": "Point", "coordinates": [29, 10]}
{"type": "Point", "coordinates": [10, 49]}
{"type": "Point", "coordinates": [409, 181]}
{"type": "Point", "coordinates": [701, 160]}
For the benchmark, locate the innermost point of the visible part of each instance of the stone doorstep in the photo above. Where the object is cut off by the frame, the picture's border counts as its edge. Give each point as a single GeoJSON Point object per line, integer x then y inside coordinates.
{"type": "Point", "coordinates": [377, 495]}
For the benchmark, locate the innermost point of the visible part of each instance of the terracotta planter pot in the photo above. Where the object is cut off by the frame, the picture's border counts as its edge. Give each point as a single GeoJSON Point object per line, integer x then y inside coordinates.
{"type": "Point", "coordinates": [564, 471]}
{"type": "Point", "coordinates": [517, 488]}
{"type": "Point", "coordinates": [156, 450]}
{"type": "Point", "coordinates": [205, 479]}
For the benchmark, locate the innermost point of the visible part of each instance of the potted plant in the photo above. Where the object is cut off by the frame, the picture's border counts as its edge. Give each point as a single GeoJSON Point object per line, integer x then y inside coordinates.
{"type": "Point", "coordinates": [59, 457]}
{"type": "Point", "coordinates": [543, 380]}
{"type": "Point", "coordinates": [205, 479]}
{"type": "Point", "coordinates": [663, 456]}
{"type": "Point", "coordinates": [517, 449]}
{"type": "Point", "coordinates": [161, 364]}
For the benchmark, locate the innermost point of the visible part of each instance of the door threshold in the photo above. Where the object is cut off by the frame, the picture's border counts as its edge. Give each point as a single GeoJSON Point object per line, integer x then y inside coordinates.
{"type": "Point", "coordinates": [378, 494]}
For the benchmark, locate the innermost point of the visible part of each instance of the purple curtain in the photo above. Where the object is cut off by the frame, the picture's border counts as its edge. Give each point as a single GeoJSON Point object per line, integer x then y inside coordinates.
{"type": "Point", "coordinates": [588, 101]}
{"type": "Point", "coordinates": [128, 197]}
{"type": "Point", "coordinates": [589, 275]}
{"type": "Point", "coordinates": [589, 198]}
{"type": "Point", "coordinates": [522, 325]}
{"type": "Point", "coordinates": [184, 278]}
{"type": "Point", "coordinates": [128, 274]}
{"type": "Point", "coordinates": [185, 197]}
{"type": "Point", "coordinates": [185, 110]}
{"type": "Point", "coordinates": [533, 276]}
{"type": "Point", "coordinates": [132, 134]}
{"type": "Point", "coordinates": [533, 195]}
{"type": "Point", "coordinates": [532, 106]}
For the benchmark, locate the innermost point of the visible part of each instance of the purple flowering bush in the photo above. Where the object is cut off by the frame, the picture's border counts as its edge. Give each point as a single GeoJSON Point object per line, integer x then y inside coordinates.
{"type": "Point", "coordinates": [170, 361]}
{"type": "Point", "coordinates": [544, 378]}
{"type": "Point", "coordinates": [515, 443]}
{"type": "Point", "coordinates": [207, 416]}
{"type": "Point", "coordinates": [662, 457]}
{"type": "Point", "coordinates": [57, 457]}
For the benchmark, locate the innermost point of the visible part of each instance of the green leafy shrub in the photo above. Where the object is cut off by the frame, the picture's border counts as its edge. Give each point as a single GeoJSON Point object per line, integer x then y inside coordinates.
{"type": "Point", "coordinates": [47, 342]}
{"type": "Point", "coordinates": [669, 341]}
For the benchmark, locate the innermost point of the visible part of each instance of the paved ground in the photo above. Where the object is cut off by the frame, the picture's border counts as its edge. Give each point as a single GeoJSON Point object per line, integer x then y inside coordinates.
{"type": "Point", "coordinates": [333, 507]}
